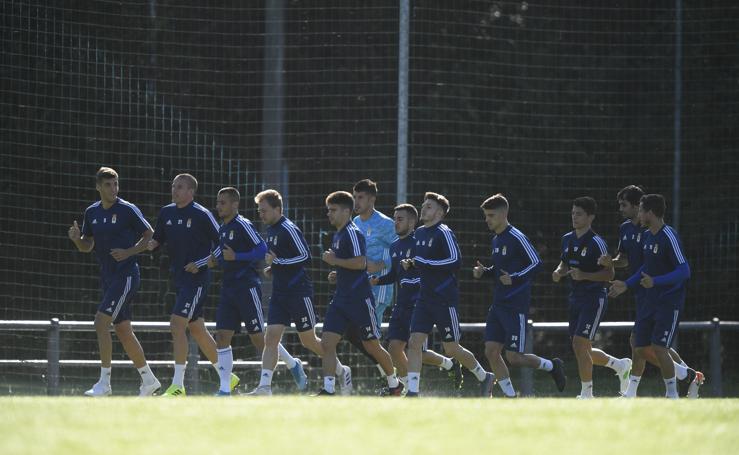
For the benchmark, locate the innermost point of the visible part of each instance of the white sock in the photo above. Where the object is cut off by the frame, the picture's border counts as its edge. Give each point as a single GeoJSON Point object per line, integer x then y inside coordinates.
{"type": "Point", "coordinates": [392, 381]}
{"type": "Point", "coordinates": [613, 363]}
{"type": "Point", "coordinates": [105, 375]}
{"type": "Point", "coordinates": [329, 384]}
{"type": "Point", "coordinates": [414, 380]}
{"type": "Point", "coordinates": [379, 368]}
{"type": "Point", "coordinates": [446, 363]}
{"type": "Point", "coordinates": [285, 356]}
{"type": "Point", "coordinates": [681, 371]}
{"type": "Point", "coordinates": [671, 386]}
{"type": "Point", "coordinates": [339, 367]}
{"type": "Point", "coordinates": [507, 387]}
{"type": "Point", "coordinates": [633, 385]}
{"type": "Point", "coordinates": [147, 376]}
{"type": "Point", "coordinates": [586, 390]}
{"type": "Point", "coordinates": [545, 364]}
{"type": "Point", "coordinates": [224, 366]}
{"type": "Point", "coordinates": [478, 371]}
{"type": "Point", "coordinates": [179, 375]}
{"type": "Point", "coordinates": [266, 378]}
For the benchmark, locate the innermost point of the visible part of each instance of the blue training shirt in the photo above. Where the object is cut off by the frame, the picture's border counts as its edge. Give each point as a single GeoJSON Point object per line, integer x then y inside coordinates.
{"type": "Point", "coordinates": [438, 258]}
{"type": "Point", "coordinates": [239, 234]}
{"type": "Point", "coordinates": [665, 262]}
{"type": "Point", "coordinates": [513, 253]}
{"type": "Point", "coordinates": [348, 243]}
{"type": "Point", "coordinates": [190, 233]}
{"type": "Point", "coordinates": [292, 256]}
{"type": "Point", "coordinates": [119, 226]}
{"type": "Point", "coordinates": [630, 238]}
{"type": "Point", "coordinates": [379, 233]}
{"type": "Point", "coordinates": [409, 281]}
{"type": "Point", "coordinates": [583, 253]}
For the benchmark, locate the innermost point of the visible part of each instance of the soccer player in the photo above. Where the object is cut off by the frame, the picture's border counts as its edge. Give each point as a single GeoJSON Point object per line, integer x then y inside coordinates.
{"type": "Point", "coordinates": [437, 258]}
{"type": "Point", "coordinates": [663, 276]}
{"type": "Point", "coordinates": [190, 232]}
{"type": "Point", "coordinates": [117, 231]}
{"type": "Point", "coordinates": [515, 263]}
{"type": "Point", "coordinates": [630, 257]}
{"type": "Point", "coordinates": [353, 302]}
{"type": "Point", "coordinates": [406, 217]}
{"type": "Point", "coordinates": [378, 230]}
{"type": "Point", "coordinates": [588, 300]}
{"type": "Point", "coordinates": [239, 251]}
{"type": "Point", "coordinates": [292, 290]}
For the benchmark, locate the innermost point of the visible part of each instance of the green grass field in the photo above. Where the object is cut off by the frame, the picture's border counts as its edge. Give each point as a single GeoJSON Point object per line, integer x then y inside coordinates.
{"type": "Point", "coordinates": [305, 425]}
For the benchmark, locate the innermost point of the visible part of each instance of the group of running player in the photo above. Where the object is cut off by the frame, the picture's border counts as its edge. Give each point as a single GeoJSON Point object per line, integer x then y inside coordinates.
{"type": "Point", "coordinates": [370, 256]}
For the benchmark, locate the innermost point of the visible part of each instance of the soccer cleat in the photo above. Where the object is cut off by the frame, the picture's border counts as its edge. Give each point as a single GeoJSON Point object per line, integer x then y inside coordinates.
{"type": "Point", "coordinates": [455, 375]}
{"type": "Point", "coordinates": [623, 375]}
{"type": "Point", "coordinates": [684, 384]}
{"type": "Point", "coordinates": [99, 390]}
{"type": "Point", "coordinates": [486, 385]}
{"type": "Point", "coordinates": [396, 391]}
{"type": "Point", "coordinates": [324, 393]}
{"type": "Point", "coordinates": [345, 380]}
{"type": "Point", "coordinates": [175, 391]}
{"type": "Point", "coordinates": [411, 394]}
{"type": "Point", "coordinates": [700, 378]}
{"type": "Point", "coordinates": [221, 393]}
{"type": "Point", "coordinates": [234, 382]}
{"type": "Point", "coordinates": [261, 391]}
{"type": "Point", "coordinates": [580, 397]}
{"type": "Point", "coordinates": [147, 390]}
{"type": "Point", "coordinates": [558, 373]}
{"type": "Point", "coordinates": [301, 379]}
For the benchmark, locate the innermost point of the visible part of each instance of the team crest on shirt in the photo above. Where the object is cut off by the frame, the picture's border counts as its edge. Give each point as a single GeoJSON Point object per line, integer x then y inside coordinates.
{"type": "Point", "coordinates": [105, 220]}
{"type": "Point", "coordinates": [230, 234]}
{"type": "Point", "coordinates": [430, 240]}
{"type": "Point", "coordinates": [638, 237]}
{"type": "Point", "coordinates": [584, 251]}
{"type": "Point", "coordinates": [189, 222]}
{"type": "Point", "coordinates": [575, 249]}
{"type": "Point", "coordinates": [369, 232]}
{"type": "Point", "coordinates": [274, 242]}
{"type": "Point", "coordinates": [496, 250]}
{"type": "Point", "coordinates": [505, 250]}
{"type": "Point", "coordinates": [408, 253]}
{"type": "Point", "coordinates": [625, 237]}
{"type": "Point", "coordinates": [179, 221]}
{"type": "Point", "coordinates": [114, 218]}
{"type": "Point", "coordinates": [656, 248]}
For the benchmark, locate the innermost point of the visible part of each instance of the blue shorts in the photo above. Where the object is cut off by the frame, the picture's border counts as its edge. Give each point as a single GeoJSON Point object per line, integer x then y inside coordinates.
{"type": "Point", "coordinates": [344, 311]}
{"type": "Point", "coordinates": [240, 303]}
{"type": "Point", "coordinates": [400, 322]}
{"type": "Point", "coordinates": [190, 301]}
{"type": "Point", "coordinates": [426, 315]}
{"type": "Point", "coordinates": [117, 296]}
{"type": "Point", "coordinates": [658, 326]}
{"type": "Point", "coordinates": [506, 326]}
{"type": "Point", "coordinates": [296, 308]}
{"type": "Point", "coordinates": [586, 312]}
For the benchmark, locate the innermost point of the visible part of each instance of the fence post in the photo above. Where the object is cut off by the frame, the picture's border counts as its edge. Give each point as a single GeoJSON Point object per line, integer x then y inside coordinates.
{"type": "Point", "coordinates": [193, 356]}
{"type": "Point", "coordinates": [527, 374]}
{"type": "Point", "coordinates": [52, 356]}
{"type": "Point", "coordinates": [715, 359]}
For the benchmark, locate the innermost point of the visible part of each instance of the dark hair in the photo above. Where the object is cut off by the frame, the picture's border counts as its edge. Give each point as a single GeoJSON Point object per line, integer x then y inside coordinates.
{"type": "Point", "coordinates": [366, 186]}
{"type": "Point", "coordinates": [271, 197]}
{"type": "Point", "coordinates": [408, 208]}
{"type": "Point", "coordinates": [342, 198]}
{"type": "Point", "coordinates": [586, 203]}
{"type": "Point", "coordinates": [654, 203]}
{"type": "Point", "coordinates": [105, 173]}
{"type": "Point", "coordinates": [439, 199]}
{"type": "Point", "coordinates": [192, 182]}
{"type": "Point", "coordinates": [232, 192]}
{"type": "Point", "coordinates": [631, 194]}
{"type": "Point", "coordinates": [497, 201]}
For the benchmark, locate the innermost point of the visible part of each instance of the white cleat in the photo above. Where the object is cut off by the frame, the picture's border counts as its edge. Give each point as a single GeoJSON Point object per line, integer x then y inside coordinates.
{"type": "Point", "coordinates": [581, 397]}
{"type": "Point", "coordinates": [261, 391]}
{"type": "Point", "coordinates": [147, 390]}
{"type": "Point", "coordinates": [345, 381]}
{"type": "Point", "coordinates": [623, 373]}
{"type": "Point", "coordinates": [695, 385]}
{"type": "Point", "coordinates": [99, 390]}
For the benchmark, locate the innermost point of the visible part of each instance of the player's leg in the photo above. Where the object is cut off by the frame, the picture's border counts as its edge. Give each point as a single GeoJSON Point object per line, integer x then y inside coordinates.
{"type": "Point", "coordinates": [329, 341]}
{"type": "Point", "coordinates": [642, 334]}
{"type": "Point", "coordinates": [149, 383]}
{"type": "Point", "coordinates": [396, 348]}
{"type": "Point", "coordinates": [105, 341]}
{"type": "Point", "coordinates": [495, 336]}
{"type": "Point", "coordinates": [447, 323]}
{"type": "Point", "coordinates": [667, 319]}
{"type": "Point", "coordinates": [364, 318]}
{"type": "Point", "coordinates": [415, 347]}
{"type": "Point", "coordinates": [397, 334]}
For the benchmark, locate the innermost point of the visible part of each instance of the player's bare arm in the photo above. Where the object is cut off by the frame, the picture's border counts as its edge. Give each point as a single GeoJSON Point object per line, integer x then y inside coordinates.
{"type": "Point", "coordinates": [121, 254]}
{"type": "Point", "coordinates": [83, 244]}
